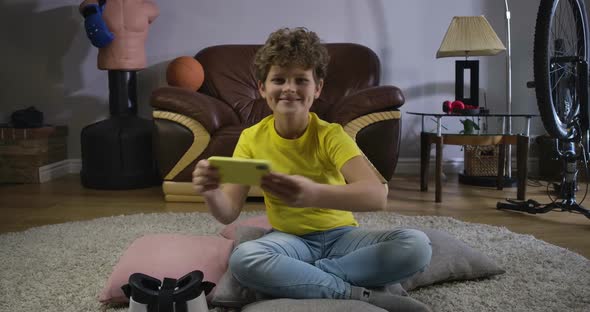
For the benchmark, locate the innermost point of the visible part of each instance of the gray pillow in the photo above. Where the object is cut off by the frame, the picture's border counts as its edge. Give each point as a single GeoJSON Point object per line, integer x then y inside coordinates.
{"type": "Point", "coordinates": [306, 305]}
{"type": "Point", "coordinates": [452, 260]}
{"type": "Point", "coordinates": [230, 293]}
{"type": "Point", "coordinates": [247, 233]}
{"type": "Point", "coordinates": [403, 304]}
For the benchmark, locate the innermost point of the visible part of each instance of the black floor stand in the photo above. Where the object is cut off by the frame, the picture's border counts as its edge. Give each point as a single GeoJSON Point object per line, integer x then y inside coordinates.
{"type": "Point", "coordinates": [117, 152]}
{"type": "Point", "coordinates": [533, 207]}
{"type": "Point", "coordinates": [566, 201]}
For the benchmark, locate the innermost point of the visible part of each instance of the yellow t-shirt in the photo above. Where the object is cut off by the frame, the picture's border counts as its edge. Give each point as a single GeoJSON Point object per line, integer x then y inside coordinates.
{"type": "Point", "coordinates": [318, 154]}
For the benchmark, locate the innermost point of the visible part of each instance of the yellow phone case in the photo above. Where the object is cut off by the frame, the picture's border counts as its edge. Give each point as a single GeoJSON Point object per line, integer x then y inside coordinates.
{"type": "Point", "coordinates": [240, 170]}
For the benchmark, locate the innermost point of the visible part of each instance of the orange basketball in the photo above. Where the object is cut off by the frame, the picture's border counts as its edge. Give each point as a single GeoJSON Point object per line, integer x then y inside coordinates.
{"type": "Point", "coordinates": [185, 72]}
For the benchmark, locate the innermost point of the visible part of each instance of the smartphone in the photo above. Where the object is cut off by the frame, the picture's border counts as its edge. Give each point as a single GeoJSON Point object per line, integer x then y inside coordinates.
{"type": "Point", "coordinates": [240, 170]}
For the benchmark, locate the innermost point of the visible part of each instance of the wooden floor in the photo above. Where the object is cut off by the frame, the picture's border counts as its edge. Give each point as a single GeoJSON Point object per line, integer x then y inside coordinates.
{"type": "Point", "coordinates": [64, 199]}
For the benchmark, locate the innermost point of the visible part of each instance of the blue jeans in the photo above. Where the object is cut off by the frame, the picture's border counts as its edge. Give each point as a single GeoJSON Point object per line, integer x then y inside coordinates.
{"type": "Point", "coordinates": [326, 264]}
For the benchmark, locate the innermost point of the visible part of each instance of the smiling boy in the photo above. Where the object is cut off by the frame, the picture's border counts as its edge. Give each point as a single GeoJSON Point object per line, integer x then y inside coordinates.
{"type": "Point", "coordinates": [319, 177]}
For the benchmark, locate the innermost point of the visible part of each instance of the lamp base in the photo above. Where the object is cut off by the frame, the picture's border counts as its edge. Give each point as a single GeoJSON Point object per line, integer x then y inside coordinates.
{"type": "Point", "coordinates": [473, 67]}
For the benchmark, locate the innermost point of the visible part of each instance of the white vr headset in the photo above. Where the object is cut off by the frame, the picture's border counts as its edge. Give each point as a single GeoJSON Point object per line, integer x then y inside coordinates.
{"type": "Point", "coordinates": [148, 294]}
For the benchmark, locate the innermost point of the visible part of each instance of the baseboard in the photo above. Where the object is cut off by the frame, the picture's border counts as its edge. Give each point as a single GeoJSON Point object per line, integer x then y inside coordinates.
{"type": "Point", "coordinates": [59, 169]}
{"type": "Point", "coordinates": [411, 166]}
{"type": "Point", "coordinates": [405, 166]}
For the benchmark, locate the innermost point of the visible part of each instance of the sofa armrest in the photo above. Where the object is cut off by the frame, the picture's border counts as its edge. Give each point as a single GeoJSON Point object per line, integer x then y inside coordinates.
{"type": "Point", "coordinates": [364, 102]}
{"type": "Point", "coordinates": [208, 111]}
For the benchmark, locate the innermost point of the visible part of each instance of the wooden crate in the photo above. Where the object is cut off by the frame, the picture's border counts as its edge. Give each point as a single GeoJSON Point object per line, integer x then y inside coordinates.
{"type": "Point", "coordinates": [23, 151]}
{"type": "Point", "coordinates": [481, 161]}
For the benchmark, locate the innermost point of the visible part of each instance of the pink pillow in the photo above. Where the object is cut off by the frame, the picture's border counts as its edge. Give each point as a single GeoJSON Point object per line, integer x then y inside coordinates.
{"type": "Point", "coordinates": [168, 255]}
{"type": "Point", "coordinates": [229, 231]}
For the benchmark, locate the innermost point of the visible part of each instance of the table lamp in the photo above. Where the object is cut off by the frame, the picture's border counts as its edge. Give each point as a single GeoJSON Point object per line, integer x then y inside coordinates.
{"type": "Point", "coordinates": [469, 36]}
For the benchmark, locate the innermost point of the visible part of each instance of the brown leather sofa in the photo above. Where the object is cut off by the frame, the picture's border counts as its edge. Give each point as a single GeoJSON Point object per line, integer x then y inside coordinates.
{"type": "Point", "coordinates": [190, 126]}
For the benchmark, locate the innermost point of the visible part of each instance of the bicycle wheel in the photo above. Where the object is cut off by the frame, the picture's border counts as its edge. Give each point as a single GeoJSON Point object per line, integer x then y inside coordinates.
{"type": "Point", "coordinates": [560, 44]}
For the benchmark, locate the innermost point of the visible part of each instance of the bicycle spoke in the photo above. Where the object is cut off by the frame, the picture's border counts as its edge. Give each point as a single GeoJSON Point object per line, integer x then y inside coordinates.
{"type": "Point", "coordinates": [556, 84]}
{"type": "Point", "coordinates": [560, 44]}
{"type": "Point", "coordinates": [564, 29]}
{"type": "Point", "coordinates": [564, 34]}
{"type": "Point", "coordinates": [564, 68]}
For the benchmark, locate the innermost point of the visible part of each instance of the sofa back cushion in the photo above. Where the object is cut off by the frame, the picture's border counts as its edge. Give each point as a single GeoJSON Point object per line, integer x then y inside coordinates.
{"type": "Point", "coordinates": [230, 77]}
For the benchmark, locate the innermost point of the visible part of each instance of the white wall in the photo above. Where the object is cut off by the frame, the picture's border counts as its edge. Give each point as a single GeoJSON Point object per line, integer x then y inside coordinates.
{"type": "Point", "coordinates": [48, 62]}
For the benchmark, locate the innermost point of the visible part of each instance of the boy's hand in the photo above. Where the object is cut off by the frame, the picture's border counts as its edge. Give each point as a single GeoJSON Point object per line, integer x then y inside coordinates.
{"type": "Point", "coordinates": [205, 177]}
{"type": "Point", "coordinates": [294, 190]}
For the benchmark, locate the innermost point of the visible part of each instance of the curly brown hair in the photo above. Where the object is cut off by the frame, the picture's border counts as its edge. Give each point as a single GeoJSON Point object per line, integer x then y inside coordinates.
{"type": "Point", "coordinates": [288, 47]}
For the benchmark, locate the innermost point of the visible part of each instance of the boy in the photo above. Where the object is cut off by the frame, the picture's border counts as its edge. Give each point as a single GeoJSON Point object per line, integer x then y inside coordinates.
{"type": "Point", "coordinates": [316, 249]}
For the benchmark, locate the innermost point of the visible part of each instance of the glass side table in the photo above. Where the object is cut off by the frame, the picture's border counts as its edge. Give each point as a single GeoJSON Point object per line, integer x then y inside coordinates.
{"type": "Point", "coordinates": [502, 139]}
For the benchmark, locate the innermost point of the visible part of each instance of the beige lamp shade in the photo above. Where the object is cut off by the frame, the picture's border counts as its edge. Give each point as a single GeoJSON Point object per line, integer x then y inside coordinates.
{"type": "Point", "coordinates": [470, 36]}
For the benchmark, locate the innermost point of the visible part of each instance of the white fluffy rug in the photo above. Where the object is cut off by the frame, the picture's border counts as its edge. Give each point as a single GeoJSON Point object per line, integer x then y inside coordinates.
{"type": "Point", "coordinates": [63, 267]}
